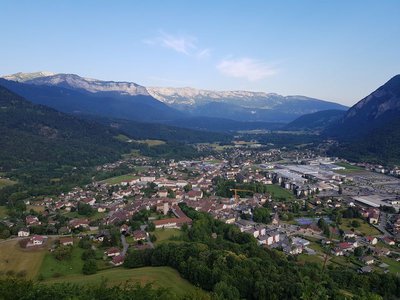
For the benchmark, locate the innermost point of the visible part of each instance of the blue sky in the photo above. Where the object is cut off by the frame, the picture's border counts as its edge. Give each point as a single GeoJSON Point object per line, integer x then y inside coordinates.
{"type": "Point", "coordinates": [334, 50]}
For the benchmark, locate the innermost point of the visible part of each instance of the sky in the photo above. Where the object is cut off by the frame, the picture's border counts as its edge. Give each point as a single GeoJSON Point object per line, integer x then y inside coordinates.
{"type": "Point", "coordinates": [338, 50]}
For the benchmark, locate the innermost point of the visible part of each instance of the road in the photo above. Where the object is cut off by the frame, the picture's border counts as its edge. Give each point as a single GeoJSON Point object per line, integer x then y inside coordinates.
{"type": "Point", "coordinates": [125, 245]}
{"type": "Point", "coordinates": [381, 226]}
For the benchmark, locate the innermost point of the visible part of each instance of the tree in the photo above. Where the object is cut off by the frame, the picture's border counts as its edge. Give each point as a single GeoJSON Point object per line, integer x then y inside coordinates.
{"type": "Point", "coordinates": [151, 227]}
{"type": "Point", "coordinates": [359, 251]}
{"type": "Point", "coordinates": [171, 194]}
{"type": "Point", "coordinates": [225, 291]}
{"type": "Point", "coordinates": [89, 267]}
{"type": "Point", "coordinates": [63, 252]}
{"type": "Point", "coordinates": [261, 215]}
{"type": "Point", "coordinates": [88, 254]}
{"type": "Point", "coordinates": [85, 243]}
{"type": "Point", "coordinates": [135, 225]}
{"type": "Point", "coordinates": [324, 226]}
{"type": "Point", "coordinates": [85, 209]}
{"type": "Point", "coordinates": [188, 187]}
{"type": "Point", "coordinates": [355, 223]}
{"type": "Point", "coordinates": [5, 234]}
{"type": "Point", "coordinates": [153, 238]}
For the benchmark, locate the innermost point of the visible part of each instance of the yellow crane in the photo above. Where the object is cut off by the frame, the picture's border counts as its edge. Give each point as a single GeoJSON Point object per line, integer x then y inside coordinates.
{"type": "Point", "coordinates": [239, 190]}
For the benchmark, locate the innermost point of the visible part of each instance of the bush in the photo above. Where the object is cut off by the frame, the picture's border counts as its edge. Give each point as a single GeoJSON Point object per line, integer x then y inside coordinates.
{"type": "Point", "coordinates": [89, 267]}
{"type": "Point", "coordinates": [355, 224]}
{"type": "Point", "coordinates": [63, 252]}
{"type": "Point", "coordinates": [88, 254]}
{"type": "Point", "coordinates": [153, 238]}
{"type": "Point", "coordinates": [85, 243]}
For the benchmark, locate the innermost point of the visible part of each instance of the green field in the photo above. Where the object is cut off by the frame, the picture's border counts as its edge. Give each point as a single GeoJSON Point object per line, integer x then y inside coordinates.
{"type": "Point", "coordinates": [119, 179]}
{"type": "Point", "coordinates": [305, 258]}
{"type": "Point", "coordinates": [365, 228]}
{"type": "Point", "coordinates": [152, 143]}
{"type": "Point", "coordinates": [161, 277]}
{"type": "Point", "coordinates": [278, 192]}
{"type": "Point", "coordinates": [394, 266]}
{"type": "Point", "coordinates": [51, 267]}
{"type": "Point", "coordinates": [122, 138]}
{"type": "Point", "coordinates": [164, 235]}
{"type": "Point", "coordinates": [3, 212]}
{"type": "Point", "coordinates": [5, 182]}
{"type": "Point", "coordinates": [349, 168]}
{"type": "Point", "coordinates": [16, 259]}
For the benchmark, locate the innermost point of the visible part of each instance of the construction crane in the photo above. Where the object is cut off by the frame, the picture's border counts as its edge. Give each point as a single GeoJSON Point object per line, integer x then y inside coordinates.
{"type": "Point", "coordinates": [239, 190]}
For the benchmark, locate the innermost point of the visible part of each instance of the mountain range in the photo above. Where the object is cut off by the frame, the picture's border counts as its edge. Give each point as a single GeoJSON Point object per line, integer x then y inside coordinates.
{"type": "Point", "coordinates": [317, 121]}
{"type": "Point", "coordinates": [370, 130]}
{"type": "Point", "coordinates": [367, 131]}
{"type": "Point", "coordinates": [241, 105]}
{"type": "Point", "coordinates": [163, 104]}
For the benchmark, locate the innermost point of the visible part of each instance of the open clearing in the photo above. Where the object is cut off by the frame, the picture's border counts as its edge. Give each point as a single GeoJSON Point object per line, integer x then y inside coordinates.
{"type": "Point", "coordinates": [279, 192]}
{"type": "Point", "coordinates": [51, 267]}
{"type": "Point", "coordinates": [16, 259]}
{"type": "Point", "coordinates": [161, 277]}
{"type": "Point", "coordinates": [349, 168]}
{"type": "Point", "coordinates": [5, 182]}
{"type": "Point", "coordinates": [36, 208]}
{"type": "Point", "coordinates": [365, 228]}
{"type": "Point", "coordinates": [164, 235]}
{"type": "Point", "coordinates": [119, 179]}
{"type": "Point", "coordinates": [152, 143]}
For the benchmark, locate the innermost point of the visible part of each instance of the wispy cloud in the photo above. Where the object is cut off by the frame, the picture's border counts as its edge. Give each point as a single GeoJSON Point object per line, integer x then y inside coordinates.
{"type": "Point", "coordinates": [248, 68]}
{"type": "Point", "coordinates": [183, 44]}
{"type": "Point", "coordinates": [203, 53]}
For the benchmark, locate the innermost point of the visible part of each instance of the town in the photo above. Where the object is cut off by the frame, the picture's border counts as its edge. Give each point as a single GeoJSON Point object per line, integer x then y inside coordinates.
{"type": "Point", "coordinates": [314, 208]}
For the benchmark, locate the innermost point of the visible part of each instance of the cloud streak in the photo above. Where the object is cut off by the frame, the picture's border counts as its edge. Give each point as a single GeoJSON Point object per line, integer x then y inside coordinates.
{"type": "Point", "coordinates": [180, 44]}
{"type": "Point", "coordinates": [186, 45]}
{"type": "Point", "coordinates": [247, 68]}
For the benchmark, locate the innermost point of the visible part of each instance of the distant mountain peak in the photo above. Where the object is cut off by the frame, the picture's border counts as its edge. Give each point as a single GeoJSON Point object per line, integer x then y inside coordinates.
{"type": "Point", "coordinates": [77, 82]}
{"type": "Point", "coordinates": [22, 77]}
{"type": "Point", "coordinates": [372, 112]}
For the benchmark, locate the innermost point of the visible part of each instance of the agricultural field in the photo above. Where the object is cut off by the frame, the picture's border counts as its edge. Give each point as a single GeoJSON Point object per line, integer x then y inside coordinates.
{"type": "Point", "coordinates": [164, 235]}
{"type": "Point", "coordinates": [305, 258]}
{"type": "Point", "coordinates": [15, 259]}
{"type": "Point", "coordinates": [365, 228]}
{"type": "Point", "coordinates": [349, 168]}
{"type": "Point", "coordinates": [152, 143]}
{"type": "Point", "coordinates": [119, 179]}
{"type": "Point", "coordinates": [6, 182]}
{"type": "Point", "coordinates": [123, 138]}
{"type": "Point", "coordinates": [36, 208]}
{"type": "Point", "coordinates": [165, 277]}
{"type": "Point", "coordinates": [52, 268]}
{"type": "Point", "coordinates": [278, 192]}
{"type": "Point", "coordinates": [394, 266]}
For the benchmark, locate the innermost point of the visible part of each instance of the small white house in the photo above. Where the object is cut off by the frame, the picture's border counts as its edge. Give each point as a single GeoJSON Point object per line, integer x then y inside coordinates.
{"type": "Point", "coordinates": [23, 232]}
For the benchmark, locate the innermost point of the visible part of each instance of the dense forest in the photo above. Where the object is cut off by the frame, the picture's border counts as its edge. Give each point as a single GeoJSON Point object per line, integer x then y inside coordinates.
{"type": "Point", "coordinates": [219, 258]}
{"type": "Point", "coordinates": [48, 152]}
{"type": "Point", "coordinates": [140, 130]}
{"type": "Point", "coordinates": [381, 146]}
